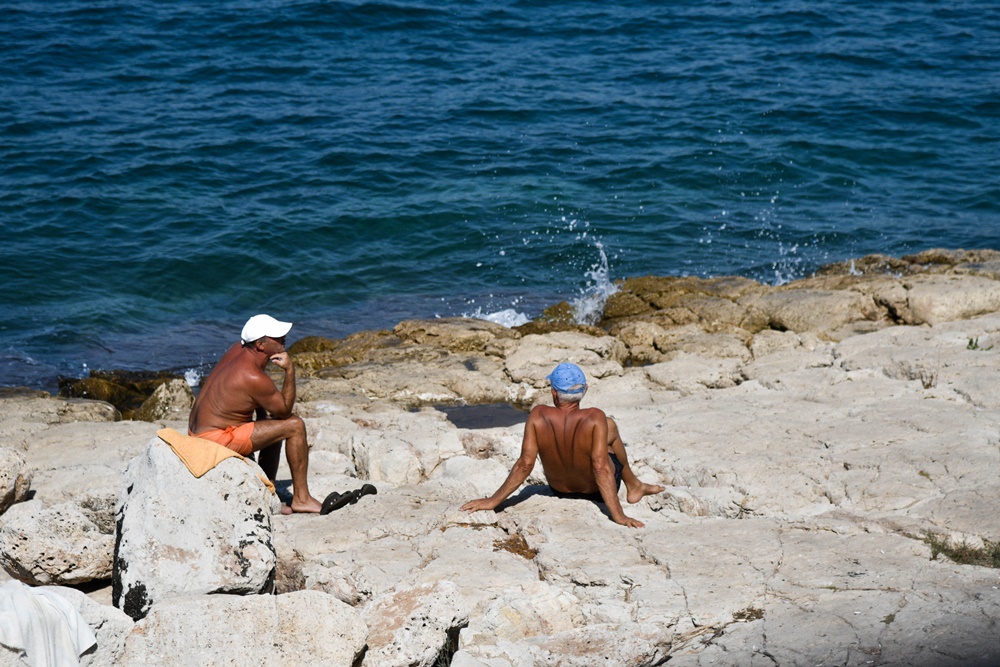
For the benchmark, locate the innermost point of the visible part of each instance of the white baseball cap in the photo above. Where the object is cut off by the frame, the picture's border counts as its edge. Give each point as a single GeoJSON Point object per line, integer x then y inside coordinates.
{"type": "Point", "coordinates": [259, 326]}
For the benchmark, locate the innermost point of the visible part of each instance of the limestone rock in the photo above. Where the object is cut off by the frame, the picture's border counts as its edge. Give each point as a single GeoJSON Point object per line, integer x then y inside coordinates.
{"type": "Point", "coordinates": [351, 581]}
{"type": "Point", "coordinates": [387, 459]}
{"type": "Point", "coordinates": [688, 373]}
{"type": "Point", "coordinates": [802, 310]}
{"type": "Point", "coordinates": [181, 535]}
{"type": "Point", "coordinates": [803, 472]}
{"type": "Point", "coordinates": [101, 389]}
{"type": "Point", "coordinates": [536, 356]}
{"type": "Point", "coordinates": [405, 450]}
{"type": "Point", "coordinates": [15, 478]}
{"type": "Point", "coordinates": [302, 628]}
{"type": "Point", "coordinates": [534, 609]}
{"type": "Point", "coordinates": [124, 389]}
{"type": "Point", "coordinates": [944, 258]}
{"type": "Point", "coordinates": [73, 461]}
{"type": "Point", "coordinates": [415, 375]}
{"type": "Point", "coordinates": [314, 355]}
{"type": "Point", "coordinates": [710, 303]}
{"type": "Point", "coordinates": [640, 336]}
{"type": "Point", "coordinates": [25, 416]}
{"type": "Point", "coordinates": [171, 400]}
{"type": "Point", "coordinates": [54, 545]}
{"type": "Point", "coordinates": [457, 334]}
{"type": "Point", "coordinates": [356, 575]}
{"type": "Point", "coordinates": [411, 626]}
{"type": "Point", "coordinates": [481, 477]}
{"type": "Point", "coordinates": [769, 341]}
{"type": "Point", "coordinates": [474, 543]}
{"type": "Point", "coordinates": [935, 299]}
{"type": "Point", "coordinates": [312, 344]}
{"type": "Point", "coordinates": [691, 340]}
{"type": "Point", "coordinates": [641, 645]}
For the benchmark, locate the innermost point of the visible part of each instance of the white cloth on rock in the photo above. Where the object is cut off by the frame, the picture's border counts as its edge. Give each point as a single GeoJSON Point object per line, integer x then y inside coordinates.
{"type": "Point", "coordinates": [44, 625]}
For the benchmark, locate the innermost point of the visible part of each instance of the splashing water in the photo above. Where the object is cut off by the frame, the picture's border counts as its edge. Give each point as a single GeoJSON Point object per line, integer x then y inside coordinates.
{"type": "Point", "coordinates": [589, 307]}
{"type": "Point", "coordinates": [193, 377]}
{"type": "Point", "coordinates": [508, 317]}
{"type": "Point", "coordinates": [573, 236]}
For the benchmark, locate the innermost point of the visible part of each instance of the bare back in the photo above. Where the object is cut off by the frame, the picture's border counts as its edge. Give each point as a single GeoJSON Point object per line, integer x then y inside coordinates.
{"type": "Point", "coordinates": [232, 392]}
{"type": "Point", "coordinates": [566, 441]}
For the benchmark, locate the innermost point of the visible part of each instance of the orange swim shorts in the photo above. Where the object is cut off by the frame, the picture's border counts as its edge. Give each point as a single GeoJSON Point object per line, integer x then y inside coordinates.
{"type": "Point", "coordinates": [236, 438]}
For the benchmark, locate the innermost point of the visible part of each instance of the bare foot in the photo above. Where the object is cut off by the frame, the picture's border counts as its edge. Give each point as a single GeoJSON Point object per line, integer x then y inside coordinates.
{"type": "Point", "coordinates": [285, 509]}
{"type": "Point", "coordinates": [311, 506]}
{"type": "Point", "coordinates": [643, 490]}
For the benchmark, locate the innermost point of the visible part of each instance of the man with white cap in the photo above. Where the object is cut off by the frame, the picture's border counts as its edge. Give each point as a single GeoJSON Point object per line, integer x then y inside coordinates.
{"type": "Point", "coordinates": [582, 454]}
{"type": "Point", "coordinates": [238, 387]}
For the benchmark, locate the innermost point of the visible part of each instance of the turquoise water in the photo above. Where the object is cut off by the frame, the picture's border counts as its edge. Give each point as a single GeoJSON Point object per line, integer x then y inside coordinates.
{"type": "Point", "coordinates": [169, 169]}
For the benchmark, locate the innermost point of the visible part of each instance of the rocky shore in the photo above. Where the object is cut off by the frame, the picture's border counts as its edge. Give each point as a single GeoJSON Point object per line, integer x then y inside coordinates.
{"type": "Point", "coordinates": [829, 448]}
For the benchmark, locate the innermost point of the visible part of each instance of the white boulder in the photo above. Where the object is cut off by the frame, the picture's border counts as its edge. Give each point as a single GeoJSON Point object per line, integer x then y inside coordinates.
{"type": "Point", "coordinates": [181, 535]}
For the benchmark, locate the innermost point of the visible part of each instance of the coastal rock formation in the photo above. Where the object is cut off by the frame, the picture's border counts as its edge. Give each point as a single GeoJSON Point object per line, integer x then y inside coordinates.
{"type": "Point", "coordinates": [54, 545]}
{"type": "Point", "coordinates": [70, 464]}
{"type": "Point", "coordinates": [171, 400]}
{"type": "Point", "coordinates": [412, 626]}
{"type": "Point", "coordinates": [29, 415]}
{"type": "Point", "coordinates": [840, 301]}
{"type": "Point", "coordinates": [828, 446]}
{"type": "Point", "coordinates": [642, 645]}
{"type": "Point", "coordinates": [181, 535]}
{"type": "Point", "coordinates": [128, 391]}
{"type": "Point", "coordinates": [15, 478]}
{"type": "Point", "coordinates": [304, 628]}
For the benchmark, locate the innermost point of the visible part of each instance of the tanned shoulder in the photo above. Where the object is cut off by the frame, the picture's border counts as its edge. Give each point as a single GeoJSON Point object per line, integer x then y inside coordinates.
{"type": "Point", "coordinates": [593, 414]}
{"type": "Point", "coordinates": [537, 415]}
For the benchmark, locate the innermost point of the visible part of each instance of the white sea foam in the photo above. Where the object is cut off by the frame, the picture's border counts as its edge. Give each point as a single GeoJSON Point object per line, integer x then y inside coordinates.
{"type": "Point", "coordinates": [508, 317]}
{"type": "Point", "coordinates": [193, 377]}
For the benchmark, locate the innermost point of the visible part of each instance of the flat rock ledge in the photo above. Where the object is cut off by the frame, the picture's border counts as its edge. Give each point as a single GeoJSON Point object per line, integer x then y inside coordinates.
{"type": "Point", "coordinates": [826, 448]}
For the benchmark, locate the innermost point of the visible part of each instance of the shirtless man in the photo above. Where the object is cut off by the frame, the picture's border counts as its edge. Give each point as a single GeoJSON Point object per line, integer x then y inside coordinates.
{"type": "Point", "coordinates": [582, 453]}
{"type": "Point", "coordinates": [237, 388]}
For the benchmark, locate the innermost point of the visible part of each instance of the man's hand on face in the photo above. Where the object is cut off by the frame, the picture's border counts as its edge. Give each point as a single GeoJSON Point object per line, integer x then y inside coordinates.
{"type": "Point", "coordinates": [282, 360]}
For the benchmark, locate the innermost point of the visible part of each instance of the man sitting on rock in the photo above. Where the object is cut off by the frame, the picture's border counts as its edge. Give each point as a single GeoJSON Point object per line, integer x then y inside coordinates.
{"type": "Point", "coordinates": [237, 388]}
{"type": "Point", "coordinates": [582, 454]}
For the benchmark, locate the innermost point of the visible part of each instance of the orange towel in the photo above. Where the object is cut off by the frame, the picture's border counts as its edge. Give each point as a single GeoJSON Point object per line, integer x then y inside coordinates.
{"type": "Point", "coordinates": [200, 455]}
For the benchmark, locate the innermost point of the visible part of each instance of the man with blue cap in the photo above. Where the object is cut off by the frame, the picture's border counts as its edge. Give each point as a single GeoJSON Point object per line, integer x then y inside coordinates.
{"type": "Point", "coordinates": [582, 454]}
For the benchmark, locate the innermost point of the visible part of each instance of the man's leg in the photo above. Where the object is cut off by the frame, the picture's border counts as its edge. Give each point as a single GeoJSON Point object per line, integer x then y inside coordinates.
{"type": "Point", "coordinates": [636, 489]}
{"type": "Point", "coordinates": [270, 456]}
{"type": "Point", "coordinates": [268, 434]}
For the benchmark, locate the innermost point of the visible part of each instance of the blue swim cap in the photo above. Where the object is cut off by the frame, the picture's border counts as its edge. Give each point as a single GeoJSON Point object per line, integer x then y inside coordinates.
{"type": "Point", "coordinates": [568, 379]}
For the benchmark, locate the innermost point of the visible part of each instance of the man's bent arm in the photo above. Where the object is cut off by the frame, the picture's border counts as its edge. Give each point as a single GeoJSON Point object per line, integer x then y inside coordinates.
{"type": "Point", "coordinates": [518, 473]}
{"type": "Point", "coordinates": [601, 465]}
{"type": "Point", "coordinates": [280, 404]}
{"type": "Point", "coordinates": [288, 386]}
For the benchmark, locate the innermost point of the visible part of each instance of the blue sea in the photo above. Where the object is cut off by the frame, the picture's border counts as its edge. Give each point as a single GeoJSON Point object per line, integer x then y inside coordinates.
{"type": "Point", "coordinates": [168, 169]}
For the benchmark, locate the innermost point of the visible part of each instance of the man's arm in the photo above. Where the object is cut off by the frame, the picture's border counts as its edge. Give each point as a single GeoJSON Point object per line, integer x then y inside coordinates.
{"type": "Point", "coordinates": [518, 473]}
{"type": "Point", "coordinates": [601, 465]}
{"type": "Point", "coordinates": [278, 403]}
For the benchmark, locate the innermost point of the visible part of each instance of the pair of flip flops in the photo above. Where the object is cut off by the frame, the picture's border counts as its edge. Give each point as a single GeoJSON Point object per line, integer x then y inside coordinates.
{"type": "Point", "coordinates": [336, 500]}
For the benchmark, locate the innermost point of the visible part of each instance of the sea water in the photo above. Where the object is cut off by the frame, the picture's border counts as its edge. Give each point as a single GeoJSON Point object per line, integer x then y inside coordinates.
{"type": "Point", "coordinates": [169, 169]}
